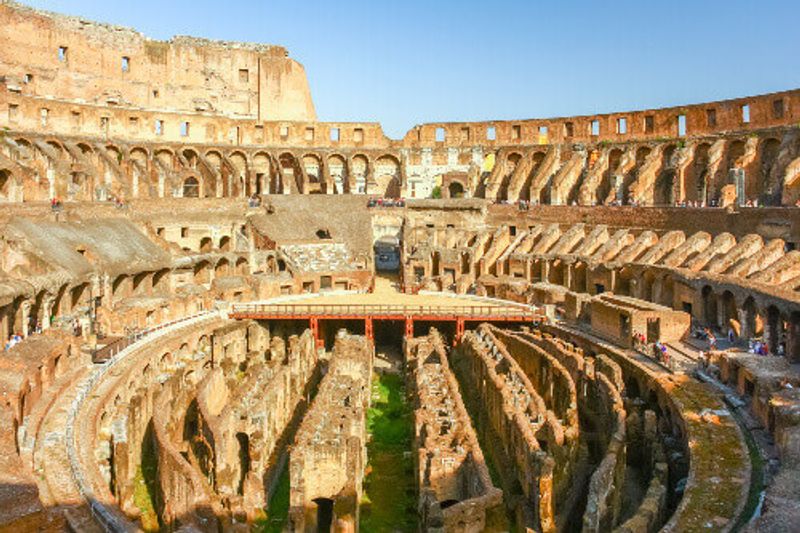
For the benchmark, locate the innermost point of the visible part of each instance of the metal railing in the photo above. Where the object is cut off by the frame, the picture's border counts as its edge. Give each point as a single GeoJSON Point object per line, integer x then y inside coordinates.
{"type": "Point", "coordinates": [373, 310]}
{"type": "Point", "coordinates": [105, 517]}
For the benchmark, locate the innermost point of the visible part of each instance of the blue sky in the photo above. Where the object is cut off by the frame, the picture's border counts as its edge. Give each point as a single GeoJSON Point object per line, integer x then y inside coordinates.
{"type": "Point", "coordinates": [407, 62]}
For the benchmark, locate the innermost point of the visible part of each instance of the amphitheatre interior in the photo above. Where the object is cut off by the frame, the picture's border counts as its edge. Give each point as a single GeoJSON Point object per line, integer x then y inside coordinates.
{"type": "Point", "coordinates": [210, 322]}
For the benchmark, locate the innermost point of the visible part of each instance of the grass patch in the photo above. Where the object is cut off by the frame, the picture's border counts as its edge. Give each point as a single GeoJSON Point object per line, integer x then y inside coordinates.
{"type": "Point", "coordinates": [145, 486]}
{"type": "Point", "coordinates": [278, 510]}
{"type": "Point", "coordinates": [389, 500]}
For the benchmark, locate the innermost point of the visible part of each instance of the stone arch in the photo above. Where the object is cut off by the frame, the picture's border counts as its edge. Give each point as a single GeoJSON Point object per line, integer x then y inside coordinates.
{"type": "Point", "coordinates": [202, 272]}
{"type": "Point", "coordinates": [709, 306]}
{"type": "Point", "coordinates": [751, 325]}
{"type": "Point", "coordinates": [696, 182]}
{"type": "Point", "coordinates": [775, 330]}
{"type": "Point", "coordinates": [262, 168]}
{"type": "Point", "coordinates": [537, 159]}
{"type": "Point", "coordinates": [242, 266]}
{"type": "Point", "coordinates": [5, 184]}
{"type": "Point", "coordinates": [510, 164]}
{"type": "Point", "coordinates": [359, 167]}
{"type": "Point", "coordinates": [191, 188]}
{"type": "Point", "coordinates": [664, 191]}
{"type": "Point", "coordinates": [337, 168]}
{"type": "Point", "coordinates": [387, 176]}
{"type": "Point", "coordinates": [225, 243]}
{"type": "Point", "coordinates": [239, 183]}
{"type": "Point", "coordinates": [768, 157]}
{"type": "Point", "coordinates": [729, 317]}
{"type": "Point", "coordinates": [455, 189]}
{"type": "Point", "coordinates": [206, 245]}
{"type": "Point", "coordinates": [290, 172]}
{"type": "Point", "coordinates": [608, 182]}
{"type": "Point", "coordinates": [222, 268]}
{"type": "Point", "coordinates": [312, 164]}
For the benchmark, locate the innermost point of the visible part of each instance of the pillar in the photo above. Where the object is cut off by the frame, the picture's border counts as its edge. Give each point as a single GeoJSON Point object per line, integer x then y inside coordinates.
{"type": "Point", "coordinates": [409, 327]}
{"type": "Point", "coordinates": [368, 331]}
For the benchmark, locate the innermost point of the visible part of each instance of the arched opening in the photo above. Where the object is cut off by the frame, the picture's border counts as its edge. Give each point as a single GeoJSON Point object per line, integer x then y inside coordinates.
{"type": "Point", "coordinates": [793, 345]}
{"type": "Point", "coordinates": [222, 268]}
{"type": "Point", "coordinates": [387, 177]}
{"type": "Point", "coordinates": [511, 164]}
{"type": "Point", "coordinates": [455, 190]}
{"type": "Point", "coordinates": [775, 331]}
{"type": "Point", "coordinates": [290, 173]}
{"type": "Point", "coordinates": [607, 183]}
{"type": "Point", "coordinates": [5, 184]}
{"type": "Point", "coordinates": [244, 459]}
{"type": "Point", "coordinates": [191, 188]}
{"type": "Point", "coordinates": [225, 243]}
{"type": "Point", "coordinates": [641, 155]}
{"type": "Point", "coordinates": [206, 245]}
{"type": "Point", "coordinates": [766, 185]}
{"type": "Point", "coordinates": [751, 326]}
{"type": "Point", "coordinates": [709, 306]}
{"type": "Point", "coordinates": [525, 192]}
{"type": "Point", "coordinates": [696, 185]}
{"type": "Point", "coordinates": [730, 316]}
{"type": "Point", "coordinates": [664, 193]}
{"type": "Point", "coordinates": [337, 168]}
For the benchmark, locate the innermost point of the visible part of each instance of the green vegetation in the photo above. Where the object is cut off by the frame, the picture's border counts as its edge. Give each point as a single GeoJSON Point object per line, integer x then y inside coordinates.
{"type": "Point", "coordinates": [436, 192]}
{"type": "Point", "coordinates": [145, 485]}
{"type": "Point", "coordinates": [388, 503]}
{"type": "Point", "coordinates": [278, 510]}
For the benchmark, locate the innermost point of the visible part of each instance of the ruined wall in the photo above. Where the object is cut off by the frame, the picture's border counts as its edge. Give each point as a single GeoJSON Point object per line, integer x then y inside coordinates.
{"type": "Point", "coordinates": [327, 460]}
{"type": "Point", "coordinates": [82, 62]}
{"type": "Point", "coordinates": [455, 489]}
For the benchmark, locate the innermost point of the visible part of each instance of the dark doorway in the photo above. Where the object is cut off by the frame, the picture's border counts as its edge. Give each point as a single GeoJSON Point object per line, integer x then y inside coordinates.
{"type": "Point", "coordinates": [324, 514]}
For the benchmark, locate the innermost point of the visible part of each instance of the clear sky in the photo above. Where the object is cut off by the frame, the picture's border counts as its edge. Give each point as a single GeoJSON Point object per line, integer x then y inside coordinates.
{"type": "Point", "coordinates": [406, 62]}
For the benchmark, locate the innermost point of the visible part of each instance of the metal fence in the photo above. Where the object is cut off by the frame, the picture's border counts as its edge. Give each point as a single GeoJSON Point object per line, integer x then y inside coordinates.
{"type": "Point", "coordinates": [377, 310]}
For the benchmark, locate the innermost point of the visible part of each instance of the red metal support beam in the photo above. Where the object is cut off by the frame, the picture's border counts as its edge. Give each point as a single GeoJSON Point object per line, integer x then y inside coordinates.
{"type": "Point", "coordinates": [409, 327]}
{"type": "Point", "coordinates": [368, 332]}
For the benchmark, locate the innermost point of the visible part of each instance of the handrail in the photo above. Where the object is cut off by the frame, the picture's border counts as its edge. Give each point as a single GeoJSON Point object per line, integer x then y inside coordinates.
{"type": "Point", "coordinates": [104, 517]}
{"type": "Point", "coordinates": [380, 309]}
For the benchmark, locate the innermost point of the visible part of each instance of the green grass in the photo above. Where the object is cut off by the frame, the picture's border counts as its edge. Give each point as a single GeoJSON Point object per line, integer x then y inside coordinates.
{"type": "Point", "coordinates": [389, 499]}
{"type": "Point", "coordinates": [278, 510]}
{"type": "Point", "coordinates": [145, 487]}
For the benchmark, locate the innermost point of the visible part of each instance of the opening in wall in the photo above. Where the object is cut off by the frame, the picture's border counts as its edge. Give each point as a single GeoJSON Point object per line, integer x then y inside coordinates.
{"type": "Point", "coordinates": [681, 125]}
{"type": "Point", "coordinates": [594, 127]}
{"type": "Point", "coordinates": [439, 135]}
{"type": "Point", "coordinates": [622, 125]}
{"type": "Point", "coordinates": [777, 108]}
{"type": "Point", "coordinates": [711, 117]}
{"type": "Point", "coordinates": [569, 129]}
{"type": "Point", "coordinates": [126, 64]}
{"type": "Point", "coordinates": [746, 114]}
{"type": "Point", "coordinates": [184, 129]}
{"type": "Point", "coordinates": [491, 133]}
{"type": "Point", "coordinates": [244, 75]}
{"type": "Point", "coordinates": [62, 54]}
{"type": "Point", "coordinates": [159, 127]}
{"type": "Point", "coordinates": [649, 123]}
{"type": "Point", "coordinates": [335, 135]}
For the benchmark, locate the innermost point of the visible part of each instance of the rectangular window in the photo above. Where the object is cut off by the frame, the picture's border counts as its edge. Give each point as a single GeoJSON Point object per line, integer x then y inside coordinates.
{"type": "Point", "coordinates": [595, 127]}
{"type": "Point", "coordinates": [244, 75]}
{"type": "Point", "coordinates": [649, 123]}
{"type": "Point", "coordinates": [284, 132]}
{"type": "Point", "coordinates": [76, 119]}
{"type": "Point", "coordinates": [465, 134]}
{"type": "Point", "coordinates": [358, 135]}
{"type": "Point", "coordinates": [104, 122]}
{"type": "Point", "coordinates": [777, 108]}
{"type": "Point", "coordinates": [711, 117]}
{"type": "Point", "coordinates": [335, 135]}
{"type": "Point", "coordinates": [259, 133]}
{"type": "Point", "coordinates": [491, 133]}
{"type": "Point", "coordinates": [184, 129]}
{"type": "Point", "coordinates": [155, 93]}
{"type": "Point", "coordinates": [309, 134]}
{"type": "Point", "coordinates": [569, 129]}
{"type": "Point", "coordinates": [516, 132]}
{"type": "Point", "coordinates": [13, 109]}
{"type": "Point", "coordinates": [62, 54]}
{"type": "Point", "coordinates": [159, 127]}
{"type": "Point", "coordinates": [543, 131]}
{"type": "Point", "coordinates": [746, 114]}
{"type": "Point", "coordinates": [28, 78]}
{"type": "Point", "coordinates": [126, 64]}
{"type": "Point", "coordinates": [44, 112]}
{"type": "Point", "coordinates": [622, 125]}
{"type": "Point", "coordinates": [133, 123]}
{"type": "Point", "coordinates": [439, 135]}
{"type": "Point", "coordinates": [681, 125]}
{"type": "Point", "coordinates": [184, 232]}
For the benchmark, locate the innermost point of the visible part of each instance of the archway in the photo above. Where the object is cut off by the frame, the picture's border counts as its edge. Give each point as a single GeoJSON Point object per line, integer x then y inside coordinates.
{"type": "Point", "coordinates": [191, 188]}
{"type": "Point", "coordinates": [709, 306]}
{"type": "Point", "coordinates": [455, 190]}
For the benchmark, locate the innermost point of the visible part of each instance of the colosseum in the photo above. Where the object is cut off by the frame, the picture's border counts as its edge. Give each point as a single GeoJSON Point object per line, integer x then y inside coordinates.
{"type": "Point", "coordinates": [220, 314]}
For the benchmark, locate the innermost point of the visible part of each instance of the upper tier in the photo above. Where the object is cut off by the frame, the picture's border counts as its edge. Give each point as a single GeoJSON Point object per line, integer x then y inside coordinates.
{"type": "Point", "coordinates": [68, 76]}
{"type": "Point", "coordinates": [73, 60]}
